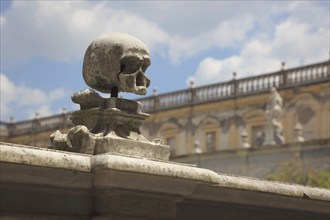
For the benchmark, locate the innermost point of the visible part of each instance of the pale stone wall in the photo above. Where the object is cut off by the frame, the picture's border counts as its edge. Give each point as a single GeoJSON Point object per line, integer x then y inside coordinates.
{"type": "Point", "coordinates": [309, 105]}
{"type": "Point", "coordinates": [48, 184]}
{"type": "Point", "coordinates": [260, 162]}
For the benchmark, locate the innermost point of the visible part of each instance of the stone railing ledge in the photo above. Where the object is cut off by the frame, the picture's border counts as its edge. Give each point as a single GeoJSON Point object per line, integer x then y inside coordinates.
{"type": "Point", "coordinates": [273, 187]}
{"type": "Point", "coordinates": [106, 178]}
{"type": "Point", "coordinates": [153, 167]}
{"type": "Point", "coordinates": [43, 157]}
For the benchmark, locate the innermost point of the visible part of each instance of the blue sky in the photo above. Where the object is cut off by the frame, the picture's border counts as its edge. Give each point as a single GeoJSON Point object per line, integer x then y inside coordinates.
{"type": "Point", "coordinates": [43, 44]}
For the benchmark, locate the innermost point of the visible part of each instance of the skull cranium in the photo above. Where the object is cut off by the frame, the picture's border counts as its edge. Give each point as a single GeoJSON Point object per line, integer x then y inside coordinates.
{"type": "Point", "coordinates": [117, 60]}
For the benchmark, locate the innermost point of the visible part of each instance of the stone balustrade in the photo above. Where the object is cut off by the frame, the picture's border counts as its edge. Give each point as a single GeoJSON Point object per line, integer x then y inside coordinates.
{"type": "Point", "coordinates": [289, 78]}
{"type": "Point", "coordinates": [237, 87]}
{"type": "Point", "coordinates": [36, 125]}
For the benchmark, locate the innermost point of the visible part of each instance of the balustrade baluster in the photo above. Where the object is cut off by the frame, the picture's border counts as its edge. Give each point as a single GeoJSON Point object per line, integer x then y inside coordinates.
{"type": "Point", "coordinates": [178, 99]}
{"type": "Point", "coordinates": [264, 83]}
{"type": "Point", "coordinates": [324, 72]}
{"type": "Point", "coordinates": [271, 82]}
{"type": "Point", "coordinates": [308, 74]}
{"type": "Point", "coordinates": [257, 85]}
{"type": "Point", "coordinates": [320, 72]}
{"type": "Point", "coordinates": [313, 73]}
{"type": "Point", "coordinates": [164, 99]}
{"type": "Point", "coordinates": [304, 75]}
{"type": "Point", "coordinates": [289, 77]}
{"type": "Point", "coordinates": [277, 80]}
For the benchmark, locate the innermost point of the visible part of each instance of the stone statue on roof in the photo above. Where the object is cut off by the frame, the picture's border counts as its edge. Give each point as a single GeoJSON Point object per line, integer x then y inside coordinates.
{"type": "Point", "coordinates": [274, 112]}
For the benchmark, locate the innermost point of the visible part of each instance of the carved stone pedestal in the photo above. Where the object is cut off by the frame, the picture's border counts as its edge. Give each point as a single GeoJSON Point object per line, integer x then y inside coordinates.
{"type": "Point", "coordinates": [269, 135]}
{"type": "Point", "coordinates": [111, 121]}
{"type": "Point", "coordinates": [108, 125]}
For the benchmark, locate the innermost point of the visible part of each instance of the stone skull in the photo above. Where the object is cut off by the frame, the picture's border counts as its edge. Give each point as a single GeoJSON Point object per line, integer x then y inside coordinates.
{"type": "Point", "coordinates": [117, 60]}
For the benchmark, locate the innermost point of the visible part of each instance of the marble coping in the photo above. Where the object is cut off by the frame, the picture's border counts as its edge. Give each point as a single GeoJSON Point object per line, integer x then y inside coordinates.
{"type": "Point", "coordinates": [82, 163]}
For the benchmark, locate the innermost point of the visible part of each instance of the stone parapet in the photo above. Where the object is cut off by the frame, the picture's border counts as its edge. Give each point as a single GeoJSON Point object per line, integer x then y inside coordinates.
{"type": "Point", "coordinates": [51, 184]}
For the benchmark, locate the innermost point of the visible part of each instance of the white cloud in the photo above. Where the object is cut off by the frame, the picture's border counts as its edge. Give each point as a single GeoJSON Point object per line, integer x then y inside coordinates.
{"type": "Point", "coordinates": [227, 34]}
{"type": "Point", "coordinates": [294, 42]}
{"type": "Point", "coordinates": [23, 99]}
{"type": "Point", "coordinates": [62, 30]}
{"type": "Point", "coordinates": [2, 20]}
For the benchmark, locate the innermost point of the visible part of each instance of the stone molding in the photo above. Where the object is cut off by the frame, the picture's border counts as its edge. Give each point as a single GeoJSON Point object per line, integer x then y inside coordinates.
{"type": "Point", "coordinates": [108, 178]}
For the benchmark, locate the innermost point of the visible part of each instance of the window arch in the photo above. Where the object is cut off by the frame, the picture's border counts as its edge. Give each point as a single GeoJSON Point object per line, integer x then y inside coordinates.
{"type": "Point", "coordinates": [209, 129]}
{"type": "Point", "coordinates": [170, 134]}
{"type": "Point", "coordinates": [255, 120]}
{"type": "Point", "coordinates": [306, 111]}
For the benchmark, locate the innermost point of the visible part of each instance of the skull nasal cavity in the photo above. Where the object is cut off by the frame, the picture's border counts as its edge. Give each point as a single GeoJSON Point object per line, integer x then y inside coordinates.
{"type": "Point", "coordinates": [140, 80]}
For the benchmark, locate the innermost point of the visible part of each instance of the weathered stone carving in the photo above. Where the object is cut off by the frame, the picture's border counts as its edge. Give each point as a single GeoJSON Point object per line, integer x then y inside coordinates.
{"type": "Point", "coordinates": [113, 63]}
{"type": "Point", "coordinates": [299, 133]}
{"type": "Point", "coordinates": [274, 112]}
{"type": "Point", "coordinates": [117, 61]}
{"type": "Point", "coordinates": [245, 139]}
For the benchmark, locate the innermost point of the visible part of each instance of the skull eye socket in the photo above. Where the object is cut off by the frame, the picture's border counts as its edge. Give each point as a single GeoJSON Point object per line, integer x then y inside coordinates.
{"type": "Point", "coordinates": [130, 65]}
{"type": "Point", "coordinates": [146, 63]}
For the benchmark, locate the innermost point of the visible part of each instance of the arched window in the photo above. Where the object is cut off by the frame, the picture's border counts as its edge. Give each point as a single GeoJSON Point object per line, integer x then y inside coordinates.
{"type": "Point", "coordinates": [209, 134]}
{"type": "Point", "coordinates": [254, 123]}
{"type": "Point", "coordinates": [307, 112]}
{"type": "Point", "coordinates": [170, 134]}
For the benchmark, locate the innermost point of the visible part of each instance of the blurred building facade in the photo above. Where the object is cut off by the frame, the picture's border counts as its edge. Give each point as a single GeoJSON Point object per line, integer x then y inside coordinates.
{"type": "Point", "coordinates": [221, 118]}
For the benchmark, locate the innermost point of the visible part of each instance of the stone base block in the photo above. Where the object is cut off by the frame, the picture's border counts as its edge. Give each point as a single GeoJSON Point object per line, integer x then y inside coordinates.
{"type": "Point", "coordinates": [132, 148]}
